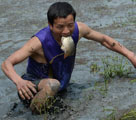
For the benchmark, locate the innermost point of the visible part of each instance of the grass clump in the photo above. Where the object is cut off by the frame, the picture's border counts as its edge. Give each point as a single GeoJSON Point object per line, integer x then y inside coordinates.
{"type": "Point", "coordinates": [133, 81]}
{"type": "Point", "coordinates": [115, 66]}
{"type": "Point", "coordinates": [111, 116]}
{"type": "Point", "coordinates": [94, 68]}
{"type": "Point", "coordinates": [50, 106]}
{"type": "Point", "coordinates": [112, 66]}
{"type": "Point", "coordinates": [129, 116]}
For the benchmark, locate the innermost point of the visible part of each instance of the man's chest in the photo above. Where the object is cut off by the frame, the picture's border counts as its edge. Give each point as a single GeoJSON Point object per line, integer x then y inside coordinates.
{"type": "Point", "coordinates": [39, 56]}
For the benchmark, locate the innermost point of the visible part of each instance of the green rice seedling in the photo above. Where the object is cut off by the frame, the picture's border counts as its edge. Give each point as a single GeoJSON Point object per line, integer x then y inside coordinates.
{"type": "Point", "coordinates": [114, 67]}
{"type": "Point", "coordinates": [133, 0]}
{"type": "Point", "coordinates": [129, 116]}
{"type": "Point", "coordinates": [45, 106]}
{"type": "Point", "coordinates": [101, 87]}
{"type": "Point", "coordinates": [133, 81]}
{"type": "Point", "coordinates": [94, 68]}
{"type": "Point", "coordinates": [111, 116]}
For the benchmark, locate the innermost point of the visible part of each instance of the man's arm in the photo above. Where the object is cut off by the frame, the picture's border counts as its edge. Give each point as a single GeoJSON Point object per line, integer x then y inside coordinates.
{"type": "Point", "coordinates": [24, 87]}
{"type": "Point", "coordinates": [110, 43]}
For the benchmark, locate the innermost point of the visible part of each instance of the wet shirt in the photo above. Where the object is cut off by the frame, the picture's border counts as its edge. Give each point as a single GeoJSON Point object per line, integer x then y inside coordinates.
{"type": "Point", "coordinates": [37, 70]}
{"type": "Point", "coordinates": [61, 68]}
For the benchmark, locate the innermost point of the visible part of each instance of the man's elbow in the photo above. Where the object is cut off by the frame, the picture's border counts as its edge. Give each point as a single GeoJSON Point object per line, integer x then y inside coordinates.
{"type": "Point", "coordinates": [3, 66]}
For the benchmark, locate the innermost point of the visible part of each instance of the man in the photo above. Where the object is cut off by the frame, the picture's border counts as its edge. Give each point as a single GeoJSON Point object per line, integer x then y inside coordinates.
{"type": "Point", "coordinates": [53, 49]}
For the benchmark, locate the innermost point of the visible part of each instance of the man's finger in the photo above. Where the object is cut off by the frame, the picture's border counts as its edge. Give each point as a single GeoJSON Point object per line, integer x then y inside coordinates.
{"type": "Point", "coordinates": [33, 89]}
{"type": "Point", "coordinates": [29, 92]}
{"type": "Point", "coordinates": [32, 84]}
{"type": "Point", "coordinates": [24, 92]}
{"type": "Point", "coordinates": [21, 94]}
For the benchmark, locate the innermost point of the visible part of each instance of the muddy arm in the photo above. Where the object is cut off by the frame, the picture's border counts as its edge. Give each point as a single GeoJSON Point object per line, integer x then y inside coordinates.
{"type": "Point", "coordinates": [110, 43]}
{"type": "Point", "coordinates": [20, 55]}
{"type": "Point", "coordinates": [15, 58]}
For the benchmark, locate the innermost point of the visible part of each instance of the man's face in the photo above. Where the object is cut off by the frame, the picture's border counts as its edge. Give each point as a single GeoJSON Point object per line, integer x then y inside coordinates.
{"type": "Point", "coordinates": [63, 26]}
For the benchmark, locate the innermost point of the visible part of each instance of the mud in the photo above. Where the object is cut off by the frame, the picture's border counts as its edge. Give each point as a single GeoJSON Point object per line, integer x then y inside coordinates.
{"type": "Point", "coordinates": [19, 20]}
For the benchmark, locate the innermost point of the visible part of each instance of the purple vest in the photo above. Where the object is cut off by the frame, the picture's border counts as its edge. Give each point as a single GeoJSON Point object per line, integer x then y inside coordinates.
{"type": "Point", "coordinates": [61, 68]}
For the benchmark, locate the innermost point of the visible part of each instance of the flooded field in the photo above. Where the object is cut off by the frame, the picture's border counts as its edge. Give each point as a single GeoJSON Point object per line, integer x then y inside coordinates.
{"type": "Point", "coordinates": [88, 96]}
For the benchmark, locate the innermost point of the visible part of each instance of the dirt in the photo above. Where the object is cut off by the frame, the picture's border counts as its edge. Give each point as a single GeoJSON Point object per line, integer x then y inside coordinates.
{"type": "Point", "coordinates": [84, 100]}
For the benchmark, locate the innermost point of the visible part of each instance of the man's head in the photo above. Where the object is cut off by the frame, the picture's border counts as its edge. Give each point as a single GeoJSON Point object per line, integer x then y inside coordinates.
{"type": "Point", "coordinates": [61, 19]}
{"type": "Point", "coordinates": [60, 10]}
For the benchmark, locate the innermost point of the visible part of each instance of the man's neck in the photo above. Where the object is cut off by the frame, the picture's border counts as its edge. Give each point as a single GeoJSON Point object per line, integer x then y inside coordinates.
{"type": "Point", "coordinates": [58, 39]}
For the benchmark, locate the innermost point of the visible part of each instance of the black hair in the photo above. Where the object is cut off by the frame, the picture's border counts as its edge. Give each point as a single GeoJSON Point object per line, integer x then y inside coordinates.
{"type": "Point", "coordinates": [60, 10]}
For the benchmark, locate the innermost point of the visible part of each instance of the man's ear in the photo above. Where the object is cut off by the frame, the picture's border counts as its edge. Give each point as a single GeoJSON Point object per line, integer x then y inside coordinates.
{"type": "Point", "coordinates": [51, 27]}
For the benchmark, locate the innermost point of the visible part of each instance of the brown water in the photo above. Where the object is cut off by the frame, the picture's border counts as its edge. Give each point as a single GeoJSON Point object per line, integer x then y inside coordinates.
{"type": "Point", "coordinates": [19, 20]}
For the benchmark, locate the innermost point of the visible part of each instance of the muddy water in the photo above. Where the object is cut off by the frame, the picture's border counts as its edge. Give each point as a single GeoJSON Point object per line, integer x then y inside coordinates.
{"type": "Point", "coordinates": [19, 20]}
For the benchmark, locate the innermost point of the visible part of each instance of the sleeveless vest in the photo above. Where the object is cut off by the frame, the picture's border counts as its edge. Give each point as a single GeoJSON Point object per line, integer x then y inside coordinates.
{"type": "Point", "coordinates": [61, 68]}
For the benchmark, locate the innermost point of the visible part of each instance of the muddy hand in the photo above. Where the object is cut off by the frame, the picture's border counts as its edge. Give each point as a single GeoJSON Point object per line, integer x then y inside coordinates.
{"type": "Point", "coordinates": [26, 89]}
{"type": "Point", "coordinates": [38, 102]}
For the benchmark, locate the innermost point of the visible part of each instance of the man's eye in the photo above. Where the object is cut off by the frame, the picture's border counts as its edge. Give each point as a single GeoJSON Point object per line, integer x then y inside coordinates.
{"type": "Point", "coordinates": [59, 27]}
{"type": "Point", "coordinates": [70, 25]}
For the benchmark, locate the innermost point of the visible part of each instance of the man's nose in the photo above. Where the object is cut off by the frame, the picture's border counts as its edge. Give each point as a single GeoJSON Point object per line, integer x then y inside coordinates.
{"type": "Point", "coordinates": [66, 31]}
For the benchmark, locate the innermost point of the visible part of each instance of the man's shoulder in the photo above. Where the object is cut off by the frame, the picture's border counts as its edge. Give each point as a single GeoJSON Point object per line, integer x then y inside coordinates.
{"type": "Point", "coordinates": [34, 43]}
{"type": "Point", "coordinates": [83, 28]}
{"type": "Point", "coordinates": [81, 25]}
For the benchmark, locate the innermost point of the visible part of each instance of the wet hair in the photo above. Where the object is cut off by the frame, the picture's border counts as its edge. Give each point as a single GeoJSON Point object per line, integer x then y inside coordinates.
{"type": "Point", "coordinates": [60, 10]}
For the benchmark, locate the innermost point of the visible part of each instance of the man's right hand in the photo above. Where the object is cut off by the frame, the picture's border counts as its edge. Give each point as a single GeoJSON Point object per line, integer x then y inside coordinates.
{"type": "Point", "coordinates": [26, 89]}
